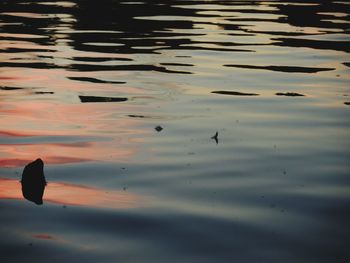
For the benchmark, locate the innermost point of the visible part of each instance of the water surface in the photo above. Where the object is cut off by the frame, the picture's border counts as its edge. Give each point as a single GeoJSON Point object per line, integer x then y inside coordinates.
{"type": "Point", "coordinates": [123, 100]}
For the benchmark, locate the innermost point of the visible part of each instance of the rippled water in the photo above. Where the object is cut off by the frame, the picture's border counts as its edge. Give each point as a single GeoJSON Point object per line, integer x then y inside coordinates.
{"type": "Point", "coordinates": [122, 101]}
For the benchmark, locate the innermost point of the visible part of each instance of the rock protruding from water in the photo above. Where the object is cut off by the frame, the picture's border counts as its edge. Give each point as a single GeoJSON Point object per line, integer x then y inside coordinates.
{"type": "Point", "coordinates": [34, 182]}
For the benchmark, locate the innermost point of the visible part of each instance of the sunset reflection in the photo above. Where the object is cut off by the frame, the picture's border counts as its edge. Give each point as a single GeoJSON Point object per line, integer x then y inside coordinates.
{"type": "Point", "coordinates": [174, 130]}
{"type": "Point", "coordinates": [67, 133]}
{"type": "Point", "coordinates": [75, 195]}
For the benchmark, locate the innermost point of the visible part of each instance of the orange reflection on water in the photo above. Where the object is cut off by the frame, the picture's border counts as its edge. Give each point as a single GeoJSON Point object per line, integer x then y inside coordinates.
{"type": "Point", "coordinates": [81, 133]}
{"type": "Point", "coordinates": [18, 155]}
{"type": "Point", "coordinates": [17, 162]}
{"type": "Point", "coordinates": [44, 236]}
{"type": "Point", "coordinates": [75, 195]}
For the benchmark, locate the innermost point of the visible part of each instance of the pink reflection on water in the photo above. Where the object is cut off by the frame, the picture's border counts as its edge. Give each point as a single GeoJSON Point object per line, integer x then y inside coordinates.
{"type": "Point", "coordinates": [75, 195]}
{"type": "Point", "coordinates": [44, 236]}
{"type": "Point", "coordinates": [18, 155]}
{"type": "Point", "coordinates": [15, 162]}
{"type": "Point", "coordinates": [82, 132]}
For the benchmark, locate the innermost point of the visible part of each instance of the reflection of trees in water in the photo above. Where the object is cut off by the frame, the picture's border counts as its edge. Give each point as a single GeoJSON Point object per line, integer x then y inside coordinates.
{"type": "Point", "coordinates": [135, 34]}
{"type": "Point", "coordinates": [150, 26]}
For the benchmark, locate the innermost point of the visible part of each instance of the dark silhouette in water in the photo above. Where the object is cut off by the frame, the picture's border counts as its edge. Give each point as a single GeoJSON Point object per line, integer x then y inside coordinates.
{"type": "Point", "coordinates": [33, 181]}
{"type": "Point", "coordinates": [158, 128]}
{"type": "Point", "coordinates": [215, 137]}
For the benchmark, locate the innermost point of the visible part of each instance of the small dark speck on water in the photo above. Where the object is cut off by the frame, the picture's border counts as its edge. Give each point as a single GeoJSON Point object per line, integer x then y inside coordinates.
{"type": "Point", "coordinates": [158, 128]}
{"type": "Point", "coordinates": [347, 103]}
{"type": "Point", "coordinates": [215, 137]}
{"type": "Point", "coordinates": [64, 206]}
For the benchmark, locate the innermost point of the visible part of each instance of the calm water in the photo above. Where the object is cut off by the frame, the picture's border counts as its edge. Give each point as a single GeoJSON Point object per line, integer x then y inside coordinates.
{"type": "Point", "coordinates": [121, 100]}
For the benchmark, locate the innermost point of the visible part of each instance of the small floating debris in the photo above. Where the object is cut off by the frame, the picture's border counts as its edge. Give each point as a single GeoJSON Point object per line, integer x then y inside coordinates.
{"type": "Point", "coordinates": [85, 99]}
{"type": "Point", "coordinates": [347, 103]}
{"type": "Point", "coordinates": [215, 137]}
{"type": "Point", "coordinates": [234, 93]}
{"type": "Point", "coordinates": [290, 94]}
{"type": "Point", "coordinates": [158, 128]}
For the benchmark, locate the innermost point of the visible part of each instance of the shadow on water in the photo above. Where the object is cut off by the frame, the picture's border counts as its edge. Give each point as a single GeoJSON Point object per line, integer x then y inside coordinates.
{"type": "Point", "coordinates": [34, 182]}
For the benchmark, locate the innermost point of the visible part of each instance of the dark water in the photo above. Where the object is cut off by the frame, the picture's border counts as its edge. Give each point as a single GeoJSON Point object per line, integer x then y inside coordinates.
{"type": "Point", "coordinates": [176, 131]}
